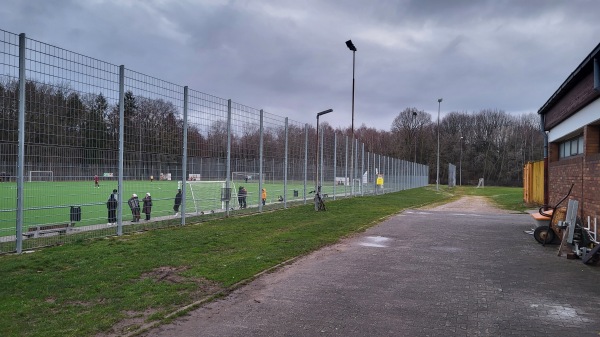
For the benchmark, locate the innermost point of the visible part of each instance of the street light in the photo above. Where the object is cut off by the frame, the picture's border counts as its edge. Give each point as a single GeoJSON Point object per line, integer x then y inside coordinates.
{"type": "Point", "coordinates": [317, 187]}
{"type": "Point", "coordinates": [460, 165]}
{"type": "Point", "coordinates": [437, 180]}
{"type": "Point", "coordinates": [415, 137]}
{"type": "Point", "coordinates": [351, 46]}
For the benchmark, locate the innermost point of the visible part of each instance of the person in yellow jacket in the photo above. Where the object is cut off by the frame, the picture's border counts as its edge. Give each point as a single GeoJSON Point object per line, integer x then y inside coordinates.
{"type": "Point", "coordinates": [263, 195]}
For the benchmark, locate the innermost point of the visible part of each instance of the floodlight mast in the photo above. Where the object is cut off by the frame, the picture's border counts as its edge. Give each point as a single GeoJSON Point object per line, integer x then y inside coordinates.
{"type": "Point", "coordinates": [317, 187]}
{"type": "Point", "coordinates": [351, 46]}
{"type": "Point", "coordinates": [437, 180]}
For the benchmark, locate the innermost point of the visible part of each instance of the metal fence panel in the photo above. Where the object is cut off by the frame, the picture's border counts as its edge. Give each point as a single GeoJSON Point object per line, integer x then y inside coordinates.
{"type": "Point", "coordinates": [90, 127]}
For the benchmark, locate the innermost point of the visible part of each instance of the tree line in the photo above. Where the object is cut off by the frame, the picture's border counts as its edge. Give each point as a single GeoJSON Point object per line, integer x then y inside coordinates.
{"type": "Point", "coordinates": [489, 144]}
{"type": "Point", "coordinates": [83, 129]}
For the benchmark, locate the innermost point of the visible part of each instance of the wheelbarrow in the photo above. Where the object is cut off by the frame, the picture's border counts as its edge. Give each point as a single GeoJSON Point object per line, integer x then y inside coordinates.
{"type": "Point", "coordinates": [552, 233]}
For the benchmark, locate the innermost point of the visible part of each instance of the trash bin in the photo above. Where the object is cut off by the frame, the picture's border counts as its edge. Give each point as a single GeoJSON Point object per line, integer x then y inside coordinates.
{"type": "Point", "coordinates": [225, 193]}
{"type": "Point", "coordinates": [295, 193]}
{"type": "Point", "coordinates": [75, 213]}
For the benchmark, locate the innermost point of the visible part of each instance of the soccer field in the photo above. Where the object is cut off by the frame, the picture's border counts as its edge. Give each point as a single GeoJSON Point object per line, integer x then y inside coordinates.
{"type": "Point", "coordinates": [51, 202]}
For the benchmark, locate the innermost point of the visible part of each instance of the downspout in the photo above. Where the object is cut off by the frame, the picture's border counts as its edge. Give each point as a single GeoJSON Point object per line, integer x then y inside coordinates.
{"type": "Point", "coordinates": [546, 198]}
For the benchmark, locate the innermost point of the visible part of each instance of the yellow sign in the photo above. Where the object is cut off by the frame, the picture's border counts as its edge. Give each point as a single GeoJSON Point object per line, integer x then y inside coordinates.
{"type": "Point", "coordinates": [380, 181]}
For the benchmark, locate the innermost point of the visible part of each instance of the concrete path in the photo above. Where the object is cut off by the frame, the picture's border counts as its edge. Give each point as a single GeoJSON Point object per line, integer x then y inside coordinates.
{"type": "Point", "coordinates": [420, 273]}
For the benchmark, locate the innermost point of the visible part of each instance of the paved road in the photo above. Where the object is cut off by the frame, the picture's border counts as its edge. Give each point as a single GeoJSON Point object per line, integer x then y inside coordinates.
{"type": "Point", "coordinates": [420, 273]}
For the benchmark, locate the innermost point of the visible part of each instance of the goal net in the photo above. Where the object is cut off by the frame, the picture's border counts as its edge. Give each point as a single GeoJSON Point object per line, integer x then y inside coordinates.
{"type": "Point", "coordinates": [246, 177]}
{"type": "Point", "coordinates": [357, 186]}
{"type": "Point", "coordinates": [206, 196]}
{"type": "Point", "coordinates": [41, 176]}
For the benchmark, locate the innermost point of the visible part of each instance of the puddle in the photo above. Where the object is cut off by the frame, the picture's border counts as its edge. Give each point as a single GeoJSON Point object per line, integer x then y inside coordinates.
{"type": "Point", "coordinates": [374, 241]}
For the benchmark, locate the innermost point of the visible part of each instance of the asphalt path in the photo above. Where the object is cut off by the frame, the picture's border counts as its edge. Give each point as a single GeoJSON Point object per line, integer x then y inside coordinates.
{"type": "Point", "coordinates": [419, 273]}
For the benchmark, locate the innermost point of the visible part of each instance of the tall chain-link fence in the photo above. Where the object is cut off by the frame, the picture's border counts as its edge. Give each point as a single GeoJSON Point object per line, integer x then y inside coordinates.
{"type": "Point", "coordinates": [91, 149]}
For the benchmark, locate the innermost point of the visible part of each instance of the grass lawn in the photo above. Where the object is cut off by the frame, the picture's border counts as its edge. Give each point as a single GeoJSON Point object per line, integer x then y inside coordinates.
{"type": "Point", "coordinates": [510, 198]}
{"type": "Point", "coordinates": [85, 288]}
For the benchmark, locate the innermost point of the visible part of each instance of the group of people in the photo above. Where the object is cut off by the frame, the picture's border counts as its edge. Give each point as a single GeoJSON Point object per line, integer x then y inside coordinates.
{"type": "Point", "coordinates": [146, 207]}
{"type": "Point", "coordinates": [243, 193]}
{"type": "Point", "coordinates": [134, 205]}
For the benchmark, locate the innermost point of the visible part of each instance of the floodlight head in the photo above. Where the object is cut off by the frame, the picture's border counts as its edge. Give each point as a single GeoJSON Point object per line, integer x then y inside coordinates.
{"type": "Point", "coordinates": [324, 112]}
{"type": "Point", "coordinates": [350, 45]}
{"type": "Point", "coordinates": [439, 100]}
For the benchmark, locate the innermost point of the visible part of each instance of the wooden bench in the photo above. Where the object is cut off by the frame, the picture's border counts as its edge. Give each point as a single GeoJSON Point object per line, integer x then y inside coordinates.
{"type": "Point", "coordinates": [37, 231]}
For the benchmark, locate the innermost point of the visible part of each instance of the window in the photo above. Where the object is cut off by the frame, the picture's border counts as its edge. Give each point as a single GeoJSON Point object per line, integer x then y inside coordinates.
{"type": "Point", "coordinates": [571, 147]}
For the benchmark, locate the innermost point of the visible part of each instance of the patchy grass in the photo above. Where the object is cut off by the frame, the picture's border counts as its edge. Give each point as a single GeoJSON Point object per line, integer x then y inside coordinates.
{"type": "Point", "coordinates": [509, 198]}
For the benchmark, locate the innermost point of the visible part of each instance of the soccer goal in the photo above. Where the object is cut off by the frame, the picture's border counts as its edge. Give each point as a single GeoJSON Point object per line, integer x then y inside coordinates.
{"type": "Point", "coordinates": [480, 183]}
{"type": "Point", "coordinates": [41, 176]}
{"type": "Point", "coordinates": [246, 177]}
{"type": "Point", "coordinates": [357, 186]}
{"type": "Point", "coordinates": [206, 195]}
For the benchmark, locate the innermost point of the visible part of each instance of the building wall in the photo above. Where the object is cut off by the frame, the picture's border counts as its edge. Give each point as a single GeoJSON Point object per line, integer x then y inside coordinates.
{"type": "Point", "coordinates": [583, 171]}
{"type": "Point", "coordinates": [576, 98]}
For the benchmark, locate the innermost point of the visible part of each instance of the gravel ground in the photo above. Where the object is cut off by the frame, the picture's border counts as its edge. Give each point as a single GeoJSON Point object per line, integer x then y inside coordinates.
{"type": "Point", "coordinates": [470, 204]}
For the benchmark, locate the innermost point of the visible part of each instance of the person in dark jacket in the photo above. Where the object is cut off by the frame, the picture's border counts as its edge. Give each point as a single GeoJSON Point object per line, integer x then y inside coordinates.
{"type": "Point", "coordinates": [177, 202]}
{"type": "Point", "coordinates": [242, 197]}
{"type": "Point", "coordinates": [244, 194]}
{"type": "Point", "coordinates": [134, 205]}
{"type": "Point", "coordinates": [147, 205]}
{"type": "Point", "coordinates": [112, 204]}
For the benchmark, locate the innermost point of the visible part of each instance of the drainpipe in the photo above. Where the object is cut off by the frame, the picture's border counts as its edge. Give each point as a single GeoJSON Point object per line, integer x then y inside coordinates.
{"type": "Point", "coordinates": [546, 198]}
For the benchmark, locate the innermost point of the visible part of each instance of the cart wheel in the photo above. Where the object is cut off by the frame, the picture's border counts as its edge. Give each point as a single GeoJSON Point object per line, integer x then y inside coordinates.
{"type": "Point", "coordinates": [544, 233]}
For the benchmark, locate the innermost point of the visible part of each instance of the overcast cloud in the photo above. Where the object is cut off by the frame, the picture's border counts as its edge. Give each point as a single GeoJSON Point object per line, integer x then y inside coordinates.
{"type": "Point", "coordinates": [289, 56]}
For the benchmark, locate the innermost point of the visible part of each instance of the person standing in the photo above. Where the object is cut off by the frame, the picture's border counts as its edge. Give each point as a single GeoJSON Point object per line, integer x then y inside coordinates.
{"type": "Point", "coordinates": [134, 205]}
{"type": "Point", "coordinates": [244, 194]}
{"type": "Point", "coordinates": [96, 181]}
{"type": "Point", "coordinates": [147, 201]}
{"type": "Point", "coordinates": [177, 202]}
{"type": "Point", "coordinates": [112, 204]}
{"type": "Point", "coordinates": [263, 196]}
{"type": "Point", "coordinates": [241, 197]}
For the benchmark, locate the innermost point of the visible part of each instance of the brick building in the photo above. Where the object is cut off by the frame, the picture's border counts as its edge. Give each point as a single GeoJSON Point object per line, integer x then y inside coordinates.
{"type": "Point", "coordinates": [571, 120]}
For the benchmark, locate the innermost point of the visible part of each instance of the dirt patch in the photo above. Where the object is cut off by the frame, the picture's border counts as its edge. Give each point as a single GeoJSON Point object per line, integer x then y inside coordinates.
{"type": "Point", "coordinates": [134, 320]}
{"type": "Point", "coordinates": [469, 204]}
{"type": "Point", "coordinates": [166, 274]}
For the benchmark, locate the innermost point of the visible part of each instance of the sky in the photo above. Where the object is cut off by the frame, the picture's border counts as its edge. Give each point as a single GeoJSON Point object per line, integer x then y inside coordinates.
{"type": "Point", "coordinates": [289, 57]}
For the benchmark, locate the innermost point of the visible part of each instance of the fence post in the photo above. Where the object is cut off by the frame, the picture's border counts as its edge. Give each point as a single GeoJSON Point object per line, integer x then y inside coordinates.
{"type": "Point", "coordinates": [285, 166]}
{"type": "Point", "coordinates": [322, 140]}
{"type": "Point", "coordinates": [305, 159]}
{"type": "Point", "coordinates": [121, 149]}
{"type": "Point", "coordinates": [184, 158]}
{"type": "Point", "coordinates": [346, 178]}
{"type": "Point", "coordinates": [362, 169]}
{"type": "Point", "coordinates": [368, 168]}
{"type": "Point", "coordinates": [334, 162]}
{"type": "Point", "coordinates": [260, 160]}
{"type": "Point", "coordinates": [21, 156]}
{"type": "Point", "coordinates": [228, 164]}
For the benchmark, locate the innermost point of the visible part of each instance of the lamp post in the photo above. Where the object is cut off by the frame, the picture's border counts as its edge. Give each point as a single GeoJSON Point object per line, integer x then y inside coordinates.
{"type": "Point", "coordinates": [317, 187]}
{"type": "Point", "coordinates": [414, 114]}
{"type": "Point", "coordinates": [351, 46]}
{"type": "Point", "coordinates": [437, 179]}
{"type": "Point", "coordinates": [460, 162]}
